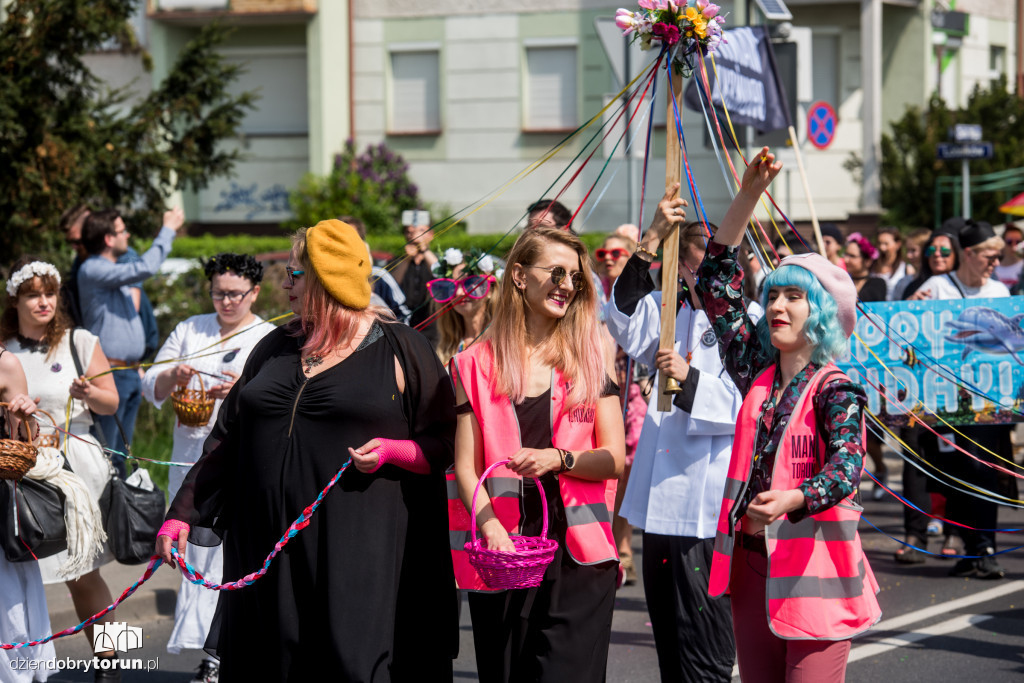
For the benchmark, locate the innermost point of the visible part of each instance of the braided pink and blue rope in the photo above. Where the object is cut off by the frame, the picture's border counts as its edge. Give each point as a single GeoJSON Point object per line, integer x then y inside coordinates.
{"type": "Point", "coordinates": [191, 574]}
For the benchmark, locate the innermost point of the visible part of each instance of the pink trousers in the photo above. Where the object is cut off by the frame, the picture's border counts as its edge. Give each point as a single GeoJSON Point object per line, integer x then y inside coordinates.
{"type": "Point", "coordinates": [764, 657]}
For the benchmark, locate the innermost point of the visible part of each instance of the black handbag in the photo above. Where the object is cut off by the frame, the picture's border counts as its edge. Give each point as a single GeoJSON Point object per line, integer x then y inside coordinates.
{"type": "Point", "coordinates": [132, 517]}
{"type": "Point", "coordinates": [33, 519]}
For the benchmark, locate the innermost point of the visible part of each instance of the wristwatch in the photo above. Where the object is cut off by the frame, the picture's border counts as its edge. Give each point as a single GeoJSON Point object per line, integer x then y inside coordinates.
{"type": "Point", "coordinates": [568, 460]}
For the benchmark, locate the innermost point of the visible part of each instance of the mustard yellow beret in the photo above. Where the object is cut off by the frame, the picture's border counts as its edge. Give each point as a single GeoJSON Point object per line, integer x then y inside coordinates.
{"type": "Point", "coordinates": [341, 261]}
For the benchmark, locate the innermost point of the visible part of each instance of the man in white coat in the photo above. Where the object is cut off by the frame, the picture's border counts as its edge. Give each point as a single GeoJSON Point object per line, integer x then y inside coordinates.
{"type": "Point", "coordinates": [678, 478]}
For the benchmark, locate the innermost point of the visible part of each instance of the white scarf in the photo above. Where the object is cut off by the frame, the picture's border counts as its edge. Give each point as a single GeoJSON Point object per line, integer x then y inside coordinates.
{"type": "Point", "coordinates": [81, 511]}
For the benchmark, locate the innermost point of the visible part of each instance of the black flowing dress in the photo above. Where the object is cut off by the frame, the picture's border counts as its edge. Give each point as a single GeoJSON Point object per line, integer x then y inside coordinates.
{"type": "Point", "coordinates": [366, 592]}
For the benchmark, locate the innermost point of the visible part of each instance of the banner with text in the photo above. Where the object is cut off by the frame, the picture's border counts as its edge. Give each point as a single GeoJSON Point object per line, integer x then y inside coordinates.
{"type": "Point", "coordinates": [961, 359]}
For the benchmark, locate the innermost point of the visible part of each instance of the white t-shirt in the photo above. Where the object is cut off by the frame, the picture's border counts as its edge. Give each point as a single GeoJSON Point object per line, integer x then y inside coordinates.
{"type": "Point", "coordinates": [949, 286]}
{"type": "Point", "coordinates": [1008, 275]}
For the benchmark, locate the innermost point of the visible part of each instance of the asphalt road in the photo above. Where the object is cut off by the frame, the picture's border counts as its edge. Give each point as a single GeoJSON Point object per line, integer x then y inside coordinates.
{"type": "Point", "coordinates": [934, 627]}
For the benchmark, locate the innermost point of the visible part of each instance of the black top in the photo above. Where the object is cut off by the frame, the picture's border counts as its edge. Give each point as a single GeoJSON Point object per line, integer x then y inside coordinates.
{"type": "Point", "coordinates": [349, 592]}
{"type": "Point", "coordinates": [874, 289]}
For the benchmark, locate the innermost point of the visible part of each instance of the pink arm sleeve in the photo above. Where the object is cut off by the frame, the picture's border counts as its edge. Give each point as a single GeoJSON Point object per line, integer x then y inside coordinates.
{"type": "Point", "coordinates": [404, 453]}
{"type": "Point", "coordinates": [173, 527]}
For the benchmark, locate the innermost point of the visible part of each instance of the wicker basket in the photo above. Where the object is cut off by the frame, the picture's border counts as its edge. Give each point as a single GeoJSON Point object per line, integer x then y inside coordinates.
{"type": "Point", "coordinates": [192, 407]}
{"type": "Point", "coordinates": [16, 456]}
{"type": "Point", "coordinates": [522, 568]}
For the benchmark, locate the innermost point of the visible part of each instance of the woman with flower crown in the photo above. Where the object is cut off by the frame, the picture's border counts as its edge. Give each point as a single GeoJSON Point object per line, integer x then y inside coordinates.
{"type": "Point", "coordinates": [464, 293]}
{"type": "Point", "coordinates": [35, 328]}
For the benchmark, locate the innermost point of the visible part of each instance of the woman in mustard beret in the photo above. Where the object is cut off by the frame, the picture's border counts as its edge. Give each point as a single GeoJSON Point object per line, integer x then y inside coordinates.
{"type": "Point", "coordinates": [350, 593]}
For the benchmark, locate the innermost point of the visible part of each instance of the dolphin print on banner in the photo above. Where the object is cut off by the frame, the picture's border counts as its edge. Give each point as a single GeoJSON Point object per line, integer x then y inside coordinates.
{"type": "Point", "coordinates": [962, 361]}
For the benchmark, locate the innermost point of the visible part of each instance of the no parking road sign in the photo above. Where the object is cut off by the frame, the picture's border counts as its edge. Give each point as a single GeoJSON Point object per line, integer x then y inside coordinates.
{"type": "Point", "coordinates": [821, 124]}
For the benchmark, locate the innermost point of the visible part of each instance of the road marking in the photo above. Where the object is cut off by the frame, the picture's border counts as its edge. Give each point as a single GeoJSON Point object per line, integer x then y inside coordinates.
{"type": "Point", "coordinates": [951, 626]}
{"type": "Point", "coordinates": [897, 623]}
{"type": "Point", "coordinates": [902, 639]}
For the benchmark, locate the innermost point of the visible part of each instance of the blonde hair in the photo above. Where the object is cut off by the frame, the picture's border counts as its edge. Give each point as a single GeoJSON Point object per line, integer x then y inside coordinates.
{"type": "Point", "coordinates": [574, 346]}
{"type": "Point", "coordinates": [994, 242]}
{"type": "Point", "coordinates": [452, 328]}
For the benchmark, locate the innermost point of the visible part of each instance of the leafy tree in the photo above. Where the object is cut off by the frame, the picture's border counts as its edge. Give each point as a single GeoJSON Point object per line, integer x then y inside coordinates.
{"type": "Point", "coordinates": [910, 164]}
{"type": "Point", "coordinates": [66, 137]}
{"type": "Point", "coordinates": [373, 186]}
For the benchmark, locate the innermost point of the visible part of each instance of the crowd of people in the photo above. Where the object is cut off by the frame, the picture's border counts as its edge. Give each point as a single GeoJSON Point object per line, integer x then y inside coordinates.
{"type": "Point", "coordinates": [505, 398]}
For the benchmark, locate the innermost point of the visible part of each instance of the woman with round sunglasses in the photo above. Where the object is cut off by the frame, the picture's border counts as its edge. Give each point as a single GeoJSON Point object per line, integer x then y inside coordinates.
{"type": "Point", "coordinates": [787, 548]}
{"type": "Point", "coordinates": [534, 391]}
{"type": "Point", "coordinates": [464, 295]}
{"type": "Point", "coordinates": [222, 342]}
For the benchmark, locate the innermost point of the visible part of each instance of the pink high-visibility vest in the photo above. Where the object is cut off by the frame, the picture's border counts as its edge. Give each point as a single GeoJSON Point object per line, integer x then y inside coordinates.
{"type": "Point", "coordinates": [588, 504]}
{"type": "Point", "coordinates": [820, 585]}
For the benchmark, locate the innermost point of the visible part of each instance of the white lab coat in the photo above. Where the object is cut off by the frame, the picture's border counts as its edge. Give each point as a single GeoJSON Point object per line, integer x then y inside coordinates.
{"type": "Point", "coordinates": [678, 477]}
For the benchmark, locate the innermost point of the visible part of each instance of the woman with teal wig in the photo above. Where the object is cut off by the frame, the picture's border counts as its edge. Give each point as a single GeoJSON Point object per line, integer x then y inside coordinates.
{"type": "Point", "coordinates": [787, 548]}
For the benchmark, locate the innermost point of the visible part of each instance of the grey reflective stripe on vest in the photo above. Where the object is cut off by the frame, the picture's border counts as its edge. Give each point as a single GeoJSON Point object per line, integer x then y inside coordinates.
{"type": "Point", "coordinates": [782, 587]}
{"type": "Point", "coordinates": [733, 488]}
{"type": "Point", "coordinates": [577, 515]}
{"type": "Point", "coordinates": [818, 530]}
{"type": "Point", "coordinates": [458, 539]}
{"type": "Point", "coordinates": [724, 544]}
{"type": "Point", "coordinates": [502, 487]}
{"type": "Point", "coordinates": [497, 487]}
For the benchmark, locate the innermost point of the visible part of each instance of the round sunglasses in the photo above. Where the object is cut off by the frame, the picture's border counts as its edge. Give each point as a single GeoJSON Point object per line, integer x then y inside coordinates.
{"type": "Point", "coordinates": [444, 289]}
{"type": "Point", "coordinates": [616, 253]}
{"type": "Point", "coordinates": [943, 251]}
{"type": "Point", "coordinates": [558, 274]}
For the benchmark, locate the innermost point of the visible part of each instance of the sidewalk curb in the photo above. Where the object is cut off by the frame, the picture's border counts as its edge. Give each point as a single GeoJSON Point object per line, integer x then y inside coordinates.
{"type": "Point", "coordinates": [153, 600]}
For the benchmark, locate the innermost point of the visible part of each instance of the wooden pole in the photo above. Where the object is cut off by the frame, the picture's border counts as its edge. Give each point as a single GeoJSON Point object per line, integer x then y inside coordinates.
{"type": "Point", "coordinates": [807, 191]}
{"type": "Point", "coordinates": [670, 246]}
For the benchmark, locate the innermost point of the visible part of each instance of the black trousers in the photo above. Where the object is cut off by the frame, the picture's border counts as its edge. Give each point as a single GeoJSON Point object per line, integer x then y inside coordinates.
{"type": "Point", "coordinates": [965, 508]}
{"type": "Point", "coordinates": [915, 485]}
{"type": "Point", "coordinates": [557, 632]}
{"type": "Point", "coordinates": [692, 631]}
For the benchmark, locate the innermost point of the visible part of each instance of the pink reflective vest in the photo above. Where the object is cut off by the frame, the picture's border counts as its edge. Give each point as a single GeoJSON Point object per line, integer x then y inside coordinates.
{"type": "Point", "coordinates": [820, 585]}
{"type": "Point", "coordinates": [588, 504]}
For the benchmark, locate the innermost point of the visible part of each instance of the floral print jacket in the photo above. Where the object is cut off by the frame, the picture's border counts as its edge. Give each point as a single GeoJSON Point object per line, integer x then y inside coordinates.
{"type": "Point", "coordinates": [839, 406]}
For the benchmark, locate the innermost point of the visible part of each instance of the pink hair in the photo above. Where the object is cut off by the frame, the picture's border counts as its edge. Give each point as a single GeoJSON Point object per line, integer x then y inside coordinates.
{"type": "Point", "coordinates": [326, 323]}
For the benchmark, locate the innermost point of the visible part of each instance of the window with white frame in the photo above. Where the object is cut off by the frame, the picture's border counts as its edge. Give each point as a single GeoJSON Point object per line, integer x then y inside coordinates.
{"type": "Point", "coordinates": [414, 103]}
{"type": "Point", "coordinates": [278, 77]}
{"type": "Point", "coordinates": [550, 89]}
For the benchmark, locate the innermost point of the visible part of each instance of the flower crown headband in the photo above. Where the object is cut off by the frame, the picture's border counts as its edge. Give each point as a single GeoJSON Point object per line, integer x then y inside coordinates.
{"type": "Point", "coordinates": [29, 271]}
{"type": "Point", "coordinates": [480, 263]}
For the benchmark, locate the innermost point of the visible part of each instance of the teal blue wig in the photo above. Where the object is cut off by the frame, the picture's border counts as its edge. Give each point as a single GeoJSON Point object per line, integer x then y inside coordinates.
{"type": "Point", "coordinates": [822, 329]}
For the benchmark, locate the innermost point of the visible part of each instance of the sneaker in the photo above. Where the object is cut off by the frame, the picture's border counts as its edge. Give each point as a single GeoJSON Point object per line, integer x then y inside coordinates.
{"type": "Point", "coordinates": [208, 672]}
{"type": "Point", "coordinates": [965, 566]}
{"type": "Point", "coordinates": [934, 528]}
{"type": "Point", "coordinates": [987, 567]}
{"type": "Point", "coordinates": [878, 493]}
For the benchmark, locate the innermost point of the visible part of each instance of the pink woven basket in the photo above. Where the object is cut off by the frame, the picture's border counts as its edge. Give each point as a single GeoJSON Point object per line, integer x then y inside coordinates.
{"type": "Point", "coordinates": [522, 568]}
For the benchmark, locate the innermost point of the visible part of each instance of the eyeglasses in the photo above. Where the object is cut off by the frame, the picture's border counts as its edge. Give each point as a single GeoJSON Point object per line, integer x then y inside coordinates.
{"type": "Point", "coordinates": [943, 251]}
{"type": "Point", "coordinates": [558, 274]}
{"type": "Point", "coordinates": [615, 253]}
{"type": "Point", "coordinates": [1011, 243]}
{"type": "Point", "coordinates": [444, 289]}
{"type": "Point", "coordinates": [230, 297]}
{"type": "Point", "coordinates": [292, 274]}
{"type": "Point", "coordinates": [119, 232]}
